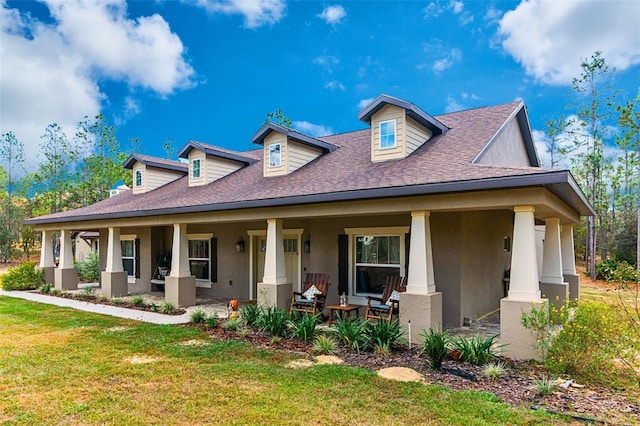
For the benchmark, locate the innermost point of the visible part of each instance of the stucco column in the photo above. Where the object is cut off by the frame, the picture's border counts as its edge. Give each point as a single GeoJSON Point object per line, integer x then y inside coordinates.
{"type": "Point", "coordinates": [421, 304]}
{"type": "Point", "coordinates": [47, 265]}
{"type": "Point", "coordinates": [113, 279]}
{"type": "Point", "coordinates": [65, 275]}
{"type": "Point", "coordinates": [524, 290]}
{"type": "Point", "coordinates": [180, 285]}
{"type": "Point", "coordinates": [421, 278]}
{"type": "Point", "coordinates": [552, 283]}
{"type": "Point", "coordinates": [523, 284]}
{"type": "Point", "coordinates": [275, 288]}
{"type": "Point", "coordinates": [569, 261]}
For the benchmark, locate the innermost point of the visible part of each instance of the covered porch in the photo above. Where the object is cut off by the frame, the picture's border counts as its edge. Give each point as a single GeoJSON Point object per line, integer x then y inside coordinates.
{"type": "Point", "coordinates": [454, 250]}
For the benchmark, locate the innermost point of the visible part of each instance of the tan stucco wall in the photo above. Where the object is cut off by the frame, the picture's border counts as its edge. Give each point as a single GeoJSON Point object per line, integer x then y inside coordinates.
{"type": "Point", "coordinates": [82, 248]}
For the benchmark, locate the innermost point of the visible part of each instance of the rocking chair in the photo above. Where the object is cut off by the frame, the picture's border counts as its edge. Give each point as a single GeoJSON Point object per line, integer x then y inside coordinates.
{"type": "Point", "coordinates": [313, 295]}
{"type": "Point", "coordinates": [386, 306]}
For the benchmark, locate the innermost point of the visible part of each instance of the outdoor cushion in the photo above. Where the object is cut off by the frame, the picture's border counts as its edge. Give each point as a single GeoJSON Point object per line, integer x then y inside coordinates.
{"type": "Point", "coordinates": [395, 296]}
{"type": "Point", "coordinates": [310, 294]}
{"type": "Point", "coordinates": [303, 300]}
{"type": "Point", "coordinates": [381, 307]}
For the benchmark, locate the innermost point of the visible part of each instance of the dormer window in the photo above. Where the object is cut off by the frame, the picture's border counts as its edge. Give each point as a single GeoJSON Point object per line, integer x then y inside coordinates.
{"type": "Point", "coordinates": [195, 168]}
{"type": "Point", "coordinates": [275, 159]}
{"type": "Point", "coordinates": [387, 134]}
{"type": "Point", "coordinates": [138, 178]}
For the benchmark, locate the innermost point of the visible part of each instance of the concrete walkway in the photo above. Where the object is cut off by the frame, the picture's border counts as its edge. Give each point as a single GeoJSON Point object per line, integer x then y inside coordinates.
{"type": "Point", "coordinates": [115, 311]}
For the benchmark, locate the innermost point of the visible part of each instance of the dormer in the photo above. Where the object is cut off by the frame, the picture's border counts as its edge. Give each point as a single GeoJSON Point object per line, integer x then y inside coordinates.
{"type": "Point", "coordinates": [150, 173]}
{"type": "Point", "coordinates": [285, 150]}
{"type": "Point", "coordinates": [208, 163]}
{"type": "Point", "coordinates": [397, 127]}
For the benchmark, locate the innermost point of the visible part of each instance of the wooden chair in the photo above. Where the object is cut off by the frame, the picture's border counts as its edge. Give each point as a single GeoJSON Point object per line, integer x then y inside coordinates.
{"type": "Point", "coordinates": [377, 307]}
{"type": "Point", "coordinates": [316, 304]}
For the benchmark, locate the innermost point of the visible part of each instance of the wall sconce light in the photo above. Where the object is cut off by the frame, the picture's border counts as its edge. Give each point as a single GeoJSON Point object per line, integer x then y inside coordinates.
{"type": "Point", "coordinates": [306, 246]}
{"type": "Point", "coordinates": [240, 245]}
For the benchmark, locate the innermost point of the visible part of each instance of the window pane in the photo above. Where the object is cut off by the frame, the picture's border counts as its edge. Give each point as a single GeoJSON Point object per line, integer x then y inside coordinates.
{"type": "Point", "coordinates": [195, 168]}
{"type": "Point", "coordinates": [199, 249]}
{"type": "Point", "coordinates": [199, 268]}
{"type": "Point", "coordinates": [128, 266]}
{"type": "Point", "coordinates": [394, 250]}
{"type": "Point", "coordinates": [138, 178]}
{"type": "Point", "coordinates": [290, 245]}
{"type": "Point", "coordinates": [387, 134]}
{"type": "Point", "coordinates": [127, 248]}
{"type": "Point", "coordinates": [274, 155]}
{"type": "Point", "coordinates": [371, 279]}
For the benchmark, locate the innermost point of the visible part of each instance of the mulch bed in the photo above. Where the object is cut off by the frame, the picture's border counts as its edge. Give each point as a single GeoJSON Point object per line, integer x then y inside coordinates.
{"type": "Point", "coordinates": [590, 403]}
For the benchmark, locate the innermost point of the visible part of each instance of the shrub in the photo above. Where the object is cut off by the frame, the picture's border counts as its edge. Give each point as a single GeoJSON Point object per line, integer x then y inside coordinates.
{"type": "Point", "coordinates": [595, 346]}
{"type": "Point", "coordinates": [274, 321]}
{"type": "Point", "coordinates": [89, 269]}
{"type": "Point", "coordinates": [154, 307]}
{"type": "Point", "coordinates": [233, 324]}
{"type": "Point", "coordinates": [324, 344]}
{"type": "Point", "coordinates": [351, 332]}
{"type": "Point", "coordinates": [137, 300]}
{"type": "Point", "coordinates": [198, 316]}
{"type": "Point", "coordinates": [211, 321]}
{"type": "Point", "coordinates": [477, 350]}
{"type": "Point", "coordinates": [22, 277]}
{"type": "Point", "coordinates": [383, 335]}
{"type": "Point", "coordinates": [250, 314]}
{"type": "Point", "coordinates": [167, 308]}
{"type": "Point", "coordinates": [435, 346]}
{"type": "Point", "coordinates": [45, 288]}
{"type": "Point", "coordinates": [89, 292]}
{"type": "Point", "coordinates": [544, 385]}
{"type": "Point", "coordinates": [605, 269]}
{"type": "Point", "coordinates": [303, 327]}
{"type": "Point", "coordinates": [495, 370]}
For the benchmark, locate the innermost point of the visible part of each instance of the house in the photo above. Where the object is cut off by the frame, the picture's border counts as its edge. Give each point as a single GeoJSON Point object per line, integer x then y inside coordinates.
{"type": "Point", "coordinates": [449, 201]}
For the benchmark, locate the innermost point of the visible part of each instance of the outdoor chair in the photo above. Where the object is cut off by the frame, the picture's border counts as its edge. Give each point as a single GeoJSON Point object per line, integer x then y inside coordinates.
{"type": "Point", "coordinates": [386, 306]}
{"type": "Point", "coordinates": [313, 295]}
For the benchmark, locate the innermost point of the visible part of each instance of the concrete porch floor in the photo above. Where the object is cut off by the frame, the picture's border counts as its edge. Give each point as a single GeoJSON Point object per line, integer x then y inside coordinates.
{"type": "Point", "coordinates": [485, 326]}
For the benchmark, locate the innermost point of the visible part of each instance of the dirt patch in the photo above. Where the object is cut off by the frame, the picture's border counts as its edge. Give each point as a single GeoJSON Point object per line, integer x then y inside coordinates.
{"type": "Point", "coordinates": [328, 359]}
{"type": "Point", "coordinates": [194, 342]}
{"type": "Point", "coordinates": [141, 359]}
{"type": "Point", "coordinates": [401, 374]}
{"type": "Point", "coordinates": [117, 329]}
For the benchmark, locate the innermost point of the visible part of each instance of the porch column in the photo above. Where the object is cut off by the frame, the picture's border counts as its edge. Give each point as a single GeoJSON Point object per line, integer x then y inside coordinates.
{"type": "Point", "coordinates": [114, 278]}
{"type": "Point", "coordinates": [180, 285]}
{"type": "Point", "coordinates": [569, 262]}
{"type": "Point", "coordinates": [524, 290]}
{"type": "Point", "coordinates": [421, 303]}
{"type": "Point", "coordinates": [552, 283]}
{"type": "Point", "coordinates": [47, 265]}
{"type": "Point", "coordinates": [65, 275]}
{"type": "Point", "coordinates": [275, 288]}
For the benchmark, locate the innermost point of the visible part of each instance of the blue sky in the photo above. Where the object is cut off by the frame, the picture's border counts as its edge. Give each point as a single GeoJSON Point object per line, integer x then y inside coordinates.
{"type": "Point", "coordinates": [211, 70]}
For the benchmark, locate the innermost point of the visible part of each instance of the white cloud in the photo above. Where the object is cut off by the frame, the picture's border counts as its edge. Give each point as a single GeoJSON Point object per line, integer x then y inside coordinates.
{"type": "Point", "coordinates": [432, 10]}
{"type": "Point", "coordinates": [550, 38]}
{"type": "Point", "coordinates": [466, 18]}
{"type": "Point", "coordinates": [440, 65]}
{"type": "Point", "coordinates": [456, 6]}
{"type": "Point", "coordinates": [333, 15]}
{"type": "Point", "coordinates": [131, 109]}
{"type": "Point", "coordinates": [50, 71]}
{"type": "Point", "coordinates": [453, 105]}
{"type": "Point", "coordinates": [364, 102]}
{"type": "Point", "coordinates": [327, 62]}
{"type": "Point", "coordinates": [334, 85]}
{"type": "Point", "coordinates": [256, 13]}
{"type": "Point", "coordinates": [312, 129]}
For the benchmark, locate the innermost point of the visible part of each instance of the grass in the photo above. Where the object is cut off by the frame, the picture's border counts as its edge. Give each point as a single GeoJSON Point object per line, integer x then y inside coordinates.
{"type": "Point", "coordinates": [60, 366]}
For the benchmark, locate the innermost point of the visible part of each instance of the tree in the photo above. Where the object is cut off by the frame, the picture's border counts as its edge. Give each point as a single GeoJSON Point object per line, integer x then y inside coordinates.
{"type": "Point", "coordinates": [169, 148]}
{"type": "Point", "coordinates": [12, 155]}
{"type": "Point", "coordinates": [278, 117]}
{"type": "Point", "coordinates": [54, 176]}
{"type": "Point", "coordinates": [554, 128]}
{"type": "Point", "coordinates": [594, 99]}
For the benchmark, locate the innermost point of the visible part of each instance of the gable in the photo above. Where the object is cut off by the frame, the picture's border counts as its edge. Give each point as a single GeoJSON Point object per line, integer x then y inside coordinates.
{"type": "Point", "coordinates": [507, 148]}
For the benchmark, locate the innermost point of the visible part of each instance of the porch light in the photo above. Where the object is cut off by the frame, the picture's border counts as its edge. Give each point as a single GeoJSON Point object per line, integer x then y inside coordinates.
{"type": "Point", "coordinates": [306, 246]}
{"type": "Point", "coordinates": [240, 245]}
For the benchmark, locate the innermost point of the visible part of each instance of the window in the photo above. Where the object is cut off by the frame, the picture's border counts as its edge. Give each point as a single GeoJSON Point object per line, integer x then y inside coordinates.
{"type": "Point", "coordinates": [129, 257]}
{"type": "Point", "coordinates": [195, 168]}
{"type": "Point", "coordinates": [376, 257]}
{"type": "Point", "coordinates": [274, 155]}
{"type": "Point", "coordinates": [388, 134]}
{"type": "Point", "coordinates": [199, 261]}
{"type": "Point", "coordinates": [138, 178]}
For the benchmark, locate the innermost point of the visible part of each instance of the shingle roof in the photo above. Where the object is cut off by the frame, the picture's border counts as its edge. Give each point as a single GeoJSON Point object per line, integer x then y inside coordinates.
{"type": "Point", "coordinates": [161, 163]}
{"type": "Point", "coordinates": [218, 151]}
{"type": "Point", "coordinates": [346, 173]}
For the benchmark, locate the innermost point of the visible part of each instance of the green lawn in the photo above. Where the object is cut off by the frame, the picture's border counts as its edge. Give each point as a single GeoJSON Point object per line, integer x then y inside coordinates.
{"type": "Point", "coordinates": [60, 366]}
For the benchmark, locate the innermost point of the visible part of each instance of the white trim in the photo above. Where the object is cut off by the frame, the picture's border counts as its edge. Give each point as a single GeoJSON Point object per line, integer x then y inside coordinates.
{"type": "Point", "coordinates": [395, 134]}
{"type": "Point", "coordinates": [274, 166]}
{"type": "Point", "coordinates": [128, 237]}
{"type": "Point", "coordinates": [201, 237]}
{"type": "Point", "coordinates": [361, 299]}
